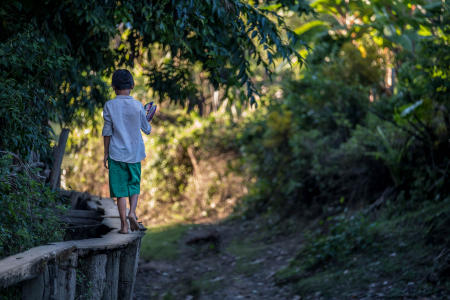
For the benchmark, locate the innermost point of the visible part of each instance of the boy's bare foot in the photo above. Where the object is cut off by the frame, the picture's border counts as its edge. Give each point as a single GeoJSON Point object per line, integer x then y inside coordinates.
{"type": "Point", "coordinates": [123, 227]}
{"type": "Point", "coordinates": [133, 223]}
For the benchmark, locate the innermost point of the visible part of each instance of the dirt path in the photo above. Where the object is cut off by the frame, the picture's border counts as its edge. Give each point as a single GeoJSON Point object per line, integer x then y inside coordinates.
{"type": "Point", "coordinates": [232, 260]}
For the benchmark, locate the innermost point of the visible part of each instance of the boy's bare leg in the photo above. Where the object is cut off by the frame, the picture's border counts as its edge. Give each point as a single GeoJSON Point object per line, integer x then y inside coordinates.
{"type": "Point", "coordinates": [122, 205]}
{"type": "Point", "coordinates": [132, 214]}
{"type": "Point", "coordinates": [133, 204]}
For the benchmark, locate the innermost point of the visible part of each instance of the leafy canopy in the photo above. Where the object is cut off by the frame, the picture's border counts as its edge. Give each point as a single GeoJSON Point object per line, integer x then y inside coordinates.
{"type": "Point", "coordinates": [55, 55]}
{"type": "Point", "coordinates": [223, 36]}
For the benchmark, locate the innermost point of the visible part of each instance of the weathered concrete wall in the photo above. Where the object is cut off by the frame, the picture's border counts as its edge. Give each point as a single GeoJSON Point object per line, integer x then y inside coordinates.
{"type": "Point", "coordinates": [96, 268]}
{"type": "Point", "coordinates": [128, 265]}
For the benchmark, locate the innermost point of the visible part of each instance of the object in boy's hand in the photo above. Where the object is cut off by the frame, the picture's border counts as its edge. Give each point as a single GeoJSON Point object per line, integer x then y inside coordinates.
{"type": "Point", "coordinates": [150, 109]}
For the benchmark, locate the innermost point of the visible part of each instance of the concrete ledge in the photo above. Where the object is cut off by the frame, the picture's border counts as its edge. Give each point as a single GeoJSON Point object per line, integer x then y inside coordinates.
{"type": "Point", "coordinates": [31, 263]}
{"type": "Point", "coordinates": [50, 271]}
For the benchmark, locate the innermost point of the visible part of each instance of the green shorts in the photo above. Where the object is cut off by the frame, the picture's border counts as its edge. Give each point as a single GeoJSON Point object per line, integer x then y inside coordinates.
{"type": "Point", "coordinates": [124, 178]}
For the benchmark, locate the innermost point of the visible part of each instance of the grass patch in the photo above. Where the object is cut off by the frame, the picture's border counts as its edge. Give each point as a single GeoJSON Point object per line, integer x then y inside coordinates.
{"type": "Point", "coordinates": [245, 251]}
{"type": "Point", "coordinates": [162, 242]}
{"type": "Point", "coordinates": [208, 282]}
{"type": "Point", "coordinates": [243, 248]}
{"type": "Point", "coordinates": [390, 256]}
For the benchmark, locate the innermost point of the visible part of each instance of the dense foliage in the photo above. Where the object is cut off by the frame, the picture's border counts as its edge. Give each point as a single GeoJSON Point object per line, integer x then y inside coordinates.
{"type": "Point", "coordinates": [343, 133]}
{"type": "Point", "coordinates": [84, 40]}
{"type": "Point", "coordinates": [28, 209]}
{"type": "Point", "coordinates": [55, 55]}
{"type": "Point", "coordinates": [27, 102]}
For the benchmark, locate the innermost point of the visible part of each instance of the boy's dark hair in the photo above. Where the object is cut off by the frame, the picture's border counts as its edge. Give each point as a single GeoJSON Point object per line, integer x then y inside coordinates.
{"type": "Point", "coordinates": [122, 80]}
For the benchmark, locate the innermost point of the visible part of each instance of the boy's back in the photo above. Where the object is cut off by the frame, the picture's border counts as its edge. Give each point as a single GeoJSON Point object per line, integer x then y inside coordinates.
{"type": "Point", "coordinates": [124, 118]}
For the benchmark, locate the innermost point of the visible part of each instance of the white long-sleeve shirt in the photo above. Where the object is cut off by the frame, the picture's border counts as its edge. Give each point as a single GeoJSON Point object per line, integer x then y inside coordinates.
{"type": "Point", "coordinates": [124, 119]}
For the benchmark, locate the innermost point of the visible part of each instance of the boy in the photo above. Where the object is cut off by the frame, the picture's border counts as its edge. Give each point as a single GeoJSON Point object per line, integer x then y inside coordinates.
{"type": "Point", "coordinates": [124, 118]}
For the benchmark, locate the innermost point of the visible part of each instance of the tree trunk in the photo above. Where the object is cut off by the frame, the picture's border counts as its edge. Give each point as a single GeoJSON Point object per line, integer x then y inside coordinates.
{"type": "Point", "coordinates": [58, 155]}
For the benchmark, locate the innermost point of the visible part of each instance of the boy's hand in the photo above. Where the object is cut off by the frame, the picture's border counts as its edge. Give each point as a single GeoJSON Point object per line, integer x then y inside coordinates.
{"type": "Point", "coordinates": [150, 110]}
{"type": "Point", "coordinates": [105, 160]}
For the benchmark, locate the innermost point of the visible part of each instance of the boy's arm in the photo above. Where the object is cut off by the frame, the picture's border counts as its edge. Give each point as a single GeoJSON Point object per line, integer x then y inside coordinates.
{"type": "Point", "coordinates": [106, 132]}
{"type": "Point", "coordinates": [106, 140]}
{"type": "Point", "coordinates": [145, 125]}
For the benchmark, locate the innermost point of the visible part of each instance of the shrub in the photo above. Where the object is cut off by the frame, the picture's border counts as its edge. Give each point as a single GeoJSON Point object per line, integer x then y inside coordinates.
{"type": "Point", "coordinates": [28, 208]}
{"type": "Point", "coordinates": [344, 236]}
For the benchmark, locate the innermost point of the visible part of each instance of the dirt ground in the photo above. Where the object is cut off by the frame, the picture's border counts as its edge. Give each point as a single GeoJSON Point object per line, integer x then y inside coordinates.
{"type": "Point", "coordinates": [238, 259]}
{"type": "Point", "coordinates": [231, 260]}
